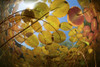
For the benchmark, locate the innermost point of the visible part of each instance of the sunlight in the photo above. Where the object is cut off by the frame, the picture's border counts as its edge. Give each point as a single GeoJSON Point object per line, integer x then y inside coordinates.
{"type": "Point", "coordinates": [23, 5]}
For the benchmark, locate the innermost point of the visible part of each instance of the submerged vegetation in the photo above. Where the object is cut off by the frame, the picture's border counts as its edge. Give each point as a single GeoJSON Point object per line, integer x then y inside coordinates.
{"type": "Point", "coordinates": [41, 29]}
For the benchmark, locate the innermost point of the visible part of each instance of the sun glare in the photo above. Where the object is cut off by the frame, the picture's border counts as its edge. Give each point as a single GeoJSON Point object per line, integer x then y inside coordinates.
{"type": "Point", "coordinates": [23, 5]}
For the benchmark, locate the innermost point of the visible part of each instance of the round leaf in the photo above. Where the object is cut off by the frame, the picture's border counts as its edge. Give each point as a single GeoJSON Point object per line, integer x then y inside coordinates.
{"type": "Point", "coordinates": [40, 9]}
{"type": "Point", "coordinates": [75, 16]}
{"type": "Point", "coordinates": [45, 37]}
{"type": "Point", "coordinates": [73, 39]}
{"type": "Point", "coordinates": [32, 41]}
{"type": "Point", "coordinates": [59, 36]}
{"type": "Point", "coordinates": [27, 15]}
{"type": "Point", "coordinates": [72, 32]}
{"type": "Point", "coordinates": [61, 8]}
{"type": "Point", "coordinates": [52, 23]}
{"type": "Point", "coordinates": [65, 26]}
